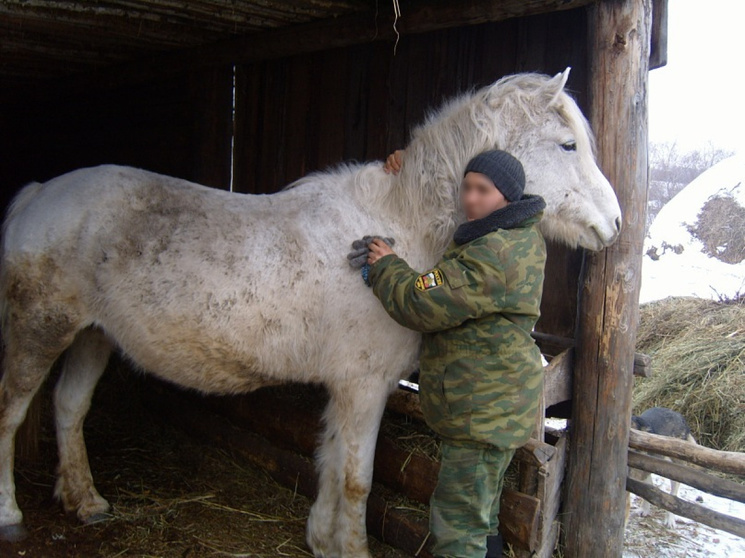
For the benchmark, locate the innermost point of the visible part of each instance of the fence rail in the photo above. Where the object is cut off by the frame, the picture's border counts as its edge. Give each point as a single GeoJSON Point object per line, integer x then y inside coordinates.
{"type": "Point", "coordinates": [680, 450]}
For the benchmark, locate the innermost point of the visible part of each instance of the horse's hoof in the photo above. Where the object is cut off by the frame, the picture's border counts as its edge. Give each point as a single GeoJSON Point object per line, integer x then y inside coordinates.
{"type": "Point", "coordinates": [97, 518]}
{"type": "Point", "coordinates": [13, 533]}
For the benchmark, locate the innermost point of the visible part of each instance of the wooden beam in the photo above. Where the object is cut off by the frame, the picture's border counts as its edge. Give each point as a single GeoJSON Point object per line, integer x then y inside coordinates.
{"type": "Point", "coordinates": [407, 473]}
{"type": "Point", "coordinates": [405, 403]}
{"type": "Point", "coordinates": [658, 46]}
{"type": "Point", "coordinates": [618, 50]}
{"type": "Point", "coordinates": [690, 510]}
{"type": "Point", "coordinates": [420, 17]}
{"type": "Point", "coordinates": [394, 528]}
{"type": "Point", "coordinates": [723, 488]}
{"type": "Point", "coordinates": [642, 362]}
{"type": "Point", "coordinates": [557, 379]}
{"type": "Point", "coordinates": [724, 461]}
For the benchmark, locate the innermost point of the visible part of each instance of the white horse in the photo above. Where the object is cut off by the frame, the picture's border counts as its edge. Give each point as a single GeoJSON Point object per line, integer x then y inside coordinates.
{"type": "Point", "coordinates": [225, 293]}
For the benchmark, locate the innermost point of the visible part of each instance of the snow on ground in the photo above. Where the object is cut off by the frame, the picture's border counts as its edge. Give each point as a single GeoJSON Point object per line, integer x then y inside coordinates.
{"type": "Point", "coordinates": [648, 537]}
{"type": "Point", "coordinates": [682, 267]}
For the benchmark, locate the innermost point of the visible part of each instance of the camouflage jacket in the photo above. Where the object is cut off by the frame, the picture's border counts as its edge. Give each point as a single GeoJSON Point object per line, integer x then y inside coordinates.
{"type": "Point", "coordinates": [480, 370]}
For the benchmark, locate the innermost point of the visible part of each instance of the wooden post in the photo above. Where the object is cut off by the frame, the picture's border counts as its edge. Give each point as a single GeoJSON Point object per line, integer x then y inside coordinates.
{"type": "Point", "coordinates": [618, 50]}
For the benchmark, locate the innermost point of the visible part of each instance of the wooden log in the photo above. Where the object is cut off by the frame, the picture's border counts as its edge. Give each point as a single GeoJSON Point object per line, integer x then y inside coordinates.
{"type": "Point", "coordinates": [291, 427]}
{"type": "Point", "coordinates": [642, 365]}
{"type": "Point", "coordinates": [658, 46]}
{"type": "Point", "coordinates": [724, 461]}
{"type": "Point", "coordinates": [405, 403]}
{"type": "Point", "coordinates": [642, 362]}
{"type": "Point", "coordinates": [412, 475]}
{"type": "Point", "coordinates": [557, 385]}
{"type": "Point", "coordinates": [690, 510]}
{"type": "Point", "coordinates": [392, 527]}
{"type": "Point", "coordinates": [723, 488]}
{"type": "Point", "coordinates": [618, 50]}
{"type": "Point", "coordinates": [536, 452]}
{"type": "Point", "coordinates": [549, 339]}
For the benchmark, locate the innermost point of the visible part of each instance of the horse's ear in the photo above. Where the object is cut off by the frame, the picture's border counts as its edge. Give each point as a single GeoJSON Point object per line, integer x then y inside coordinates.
{"type": "Point", "coordinates": [555, 86]}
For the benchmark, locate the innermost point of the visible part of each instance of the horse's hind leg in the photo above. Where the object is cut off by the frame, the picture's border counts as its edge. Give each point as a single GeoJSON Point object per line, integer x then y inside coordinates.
{"type": "Point", "coordinates": [25, 367]}
{"type": "Point", "coordinates": [85, 362]}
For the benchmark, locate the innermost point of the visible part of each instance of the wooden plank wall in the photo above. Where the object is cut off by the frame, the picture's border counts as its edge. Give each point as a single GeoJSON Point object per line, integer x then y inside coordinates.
{"type": "Point", "coordinates": [304, 113]}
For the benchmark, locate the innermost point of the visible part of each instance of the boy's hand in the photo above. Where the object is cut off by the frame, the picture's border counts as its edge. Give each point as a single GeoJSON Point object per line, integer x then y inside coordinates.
{"type": "Point", "coordinates": [394, 161]}
{"type": "Point", "coordinates": [361, 249]}
{"type": "Point", "coordinates": [378, 249]}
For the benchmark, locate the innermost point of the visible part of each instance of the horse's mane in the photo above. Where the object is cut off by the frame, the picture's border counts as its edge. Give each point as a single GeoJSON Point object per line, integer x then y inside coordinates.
{"type": "Point", "coordinates": [426, 189]}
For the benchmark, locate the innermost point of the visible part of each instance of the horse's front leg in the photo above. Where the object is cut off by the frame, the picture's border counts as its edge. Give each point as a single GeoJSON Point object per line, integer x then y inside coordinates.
{"type": "Point", "coordinates": [336, 526]}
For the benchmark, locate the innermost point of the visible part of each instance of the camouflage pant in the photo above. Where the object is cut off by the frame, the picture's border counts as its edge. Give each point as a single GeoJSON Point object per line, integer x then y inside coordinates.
{"type": "Point", "coordinates": [465, 503]}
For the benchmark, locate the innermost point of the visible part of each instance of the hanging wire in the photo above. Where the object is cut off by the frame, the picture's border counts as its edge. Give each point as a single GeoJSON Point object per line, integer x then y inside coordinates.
{"type": "Point", "coordinates": [396, 14]}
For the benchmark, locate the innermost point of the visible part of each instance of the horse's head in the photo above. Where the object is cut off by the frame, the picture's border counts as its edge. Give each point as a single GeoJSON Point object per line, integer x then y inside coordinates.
{"type": "Point", "coordinates": [539, 123]}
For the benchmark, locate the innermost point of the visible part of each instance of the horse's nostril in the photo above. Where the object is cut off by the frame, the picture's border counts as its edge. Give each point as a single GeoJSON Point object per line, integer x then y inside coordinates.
{"type": "Point", "coordinates": [618, 224]}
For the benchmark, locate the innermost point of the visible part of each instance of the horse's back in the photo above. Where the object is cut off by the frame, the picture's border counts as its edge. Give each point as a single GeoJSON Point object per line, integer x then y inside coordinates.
{"type": "Point", "coordinates": [187, 278]}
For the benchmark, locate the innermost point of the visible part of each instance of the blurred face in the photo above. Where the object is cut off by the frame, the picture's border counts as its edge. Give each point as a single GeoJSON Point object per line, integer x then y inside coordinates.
{"type": "Point", "coordinates": [479, 196]}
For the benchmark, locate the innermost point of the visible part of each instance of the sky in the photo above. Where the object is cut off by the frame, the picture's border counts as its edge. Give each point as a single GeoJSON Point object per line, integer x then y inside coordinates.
{"type": "Point", "coordinates": [698, 98]}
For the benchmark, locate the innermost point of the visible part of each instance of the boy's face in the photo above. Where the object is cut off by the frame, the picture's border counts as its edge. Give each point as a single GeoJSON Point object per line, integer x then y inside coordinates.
{"type": "Point", "coordinates": [479, 196]}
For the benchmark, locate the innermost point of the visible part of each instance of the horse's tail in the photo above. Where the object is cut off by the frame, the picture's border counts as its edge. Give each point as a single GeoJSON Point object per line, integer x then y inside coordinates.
{"type": "Point", "coordinates": [27, 437]}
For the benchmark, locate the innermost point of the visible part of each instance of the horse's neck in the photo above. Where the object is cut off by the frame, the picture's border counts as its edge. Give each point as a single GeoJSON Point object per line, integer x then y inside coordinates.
{"type": "Point", "coordinates": [427, 188]}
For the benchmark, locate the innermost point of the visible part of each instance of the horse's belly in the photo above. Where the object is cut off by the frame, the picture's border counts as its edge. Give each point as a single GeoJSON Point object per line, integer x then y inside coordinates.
{"type": "Point", "coordinates": [197, 362]}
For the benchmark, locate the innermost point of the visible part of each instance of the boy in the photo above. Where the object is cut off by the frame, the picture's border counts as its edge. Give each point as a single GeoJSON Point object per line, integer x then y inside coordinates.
{"type": "Point", "coordinates": [480, 371]}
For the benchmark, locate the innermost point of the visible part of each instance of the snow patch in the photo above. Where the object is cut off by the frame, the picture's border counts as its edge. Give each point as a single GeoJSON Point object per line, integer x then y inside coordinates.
{"type": "Point", "coordinates": [648, 536]}
{"type": "Point", "coordinates": [685, 255]}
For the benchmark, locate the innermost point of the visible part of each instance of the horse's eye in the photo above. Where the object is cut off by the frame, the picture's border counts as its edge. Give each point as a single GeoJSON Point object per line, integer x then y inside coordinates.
{"type": "Point", "coordinates": [569, 146]}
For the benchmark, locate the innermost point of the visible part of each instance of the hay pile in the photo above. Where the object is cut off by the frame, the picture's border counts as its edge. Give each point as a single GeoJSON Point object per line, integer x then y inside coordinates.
{"type": "Point", "coordinates": [698, 355]}
{"type": "Point", "coordinates": [720, 226]}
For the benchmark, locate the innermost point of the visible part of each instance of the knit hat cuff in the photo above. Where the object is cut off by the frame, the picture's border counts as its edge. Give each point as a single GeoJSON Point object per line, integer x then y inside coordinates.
{"type": "Point", "coordinates": [503, 169]}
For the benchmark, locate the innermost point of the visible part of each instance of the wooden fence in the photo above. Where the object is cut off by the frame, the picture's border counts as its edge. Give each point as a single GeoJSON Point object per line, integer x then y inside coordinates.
{"type": "Point", "coordinates": [655, 446]}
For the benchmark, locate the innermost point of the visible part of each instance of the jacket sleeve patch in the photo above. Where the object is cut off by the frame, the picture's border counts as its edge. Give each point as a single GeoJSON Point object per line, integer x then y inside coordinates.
{"type": "Point", "coordinates": [430, 280]}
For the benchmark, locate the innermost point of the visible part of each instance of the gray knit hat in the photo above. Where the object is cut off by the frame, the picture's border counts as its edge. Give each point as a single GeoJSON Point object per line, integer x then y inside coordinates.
{"type": "Point", "coordinates": [503, 169]}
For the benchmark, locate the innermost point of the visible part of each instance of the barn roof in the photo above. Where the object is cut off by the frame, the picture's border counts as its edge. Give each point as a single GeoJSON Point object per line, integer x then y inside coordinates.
{"type": "Point", "coordinates": [45, 40]}
{"type": "Point", "coordinates": [52, 38]}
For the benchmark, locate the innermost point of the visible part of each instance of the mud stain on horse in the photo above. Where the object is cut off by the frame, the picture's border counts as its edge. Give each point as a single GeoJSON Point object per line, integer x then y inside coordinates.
{"type": "Point", "coordinates": [39, 307]}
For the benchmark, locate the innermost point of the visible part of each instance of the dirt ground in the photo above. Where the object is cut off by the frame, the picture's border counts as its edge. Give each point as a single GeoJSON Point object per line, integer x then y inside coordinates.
{"type": "Point", "coordinates": [171, 495]}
